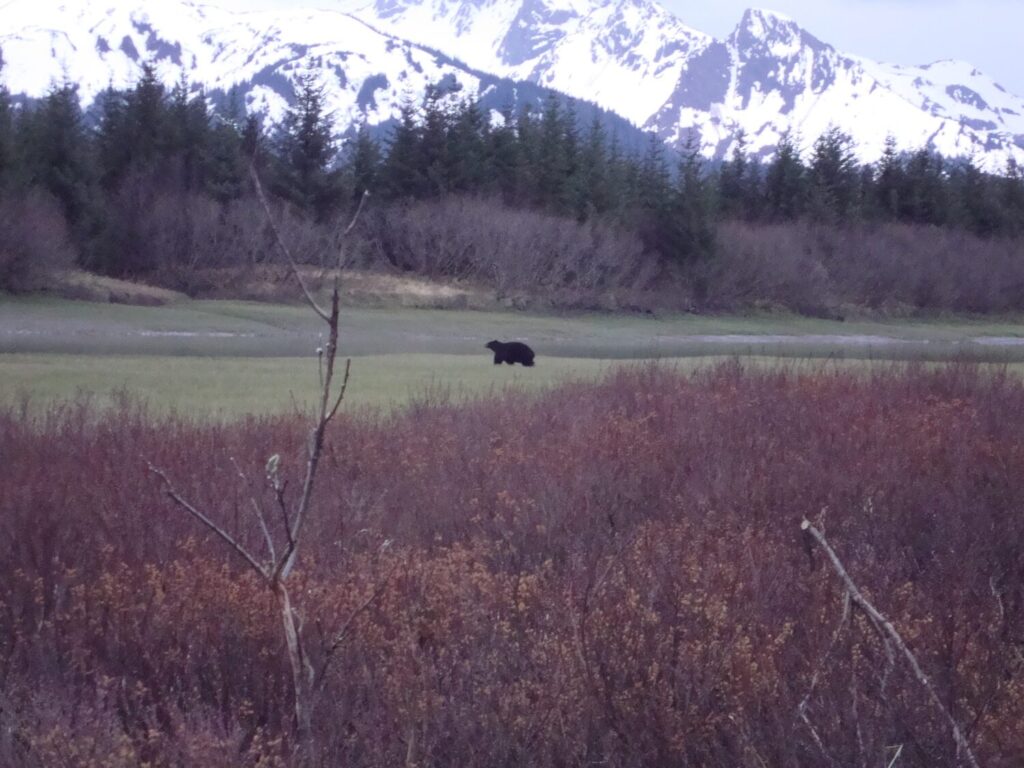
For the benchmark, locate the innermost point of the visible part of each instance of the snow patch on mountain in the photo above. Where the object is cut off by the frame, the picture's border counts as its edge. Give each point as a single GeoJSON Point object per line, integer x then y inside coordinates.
{"type": "Point", "coordinates": [633, 57]}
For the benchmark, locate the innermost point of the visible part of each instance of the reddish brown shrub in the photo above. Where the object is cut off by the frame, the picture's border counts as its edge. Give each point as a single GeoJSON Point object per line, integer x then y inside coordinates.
{"type": "Point", "coordinates": [611, 573]}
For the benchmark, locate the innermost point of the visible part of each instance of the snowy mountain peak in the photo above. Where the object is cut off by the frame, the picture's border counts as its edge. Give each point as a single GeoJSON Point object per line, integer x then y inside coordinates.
{"type": "Point", "coordinates": [762, 32]}
{"type": "Point", "coordinates": [763, 23]}
{"type": "Point", "coordinates": [629, 56]}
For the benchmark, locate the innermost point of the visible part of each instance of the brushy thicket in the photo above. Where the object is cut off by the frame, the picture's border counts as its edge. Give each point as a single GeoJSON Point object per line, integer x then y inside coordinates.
{"type": "Point", "coordinates": [611, 573]}
{"type": "Point", "coordinates": [888, 268]}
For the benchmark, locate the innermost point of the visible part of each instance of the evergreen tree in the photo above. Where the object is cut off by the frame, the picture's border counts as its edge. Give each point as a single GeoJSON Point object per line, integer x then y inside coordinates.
{"type": "Point", "coordinates": [6, 135]}
{"type": "Point", "coordinates": [592, 194]}
{"type": "Point", "coordinates": [834, 180]}
{"type": "Point", "coordinates": [113, 139]}
{"type": "Point", "coordinates": [655, 198]}
{"type": "Point", "coordinates": [785, 187]}
{"type": "Point", "coordinates": [57, 153]}
{"type": "Point", "coordinates": [978, 208]}
{"type": "Point", "coordinates": [737, 188]}
{"type": "Point", "coordinates": [692, 215]}
{"type": "Point", "coordinates": [307, 151]}
{"type": "Point", "coordinates": [188, 135]}
{"type": "Point", "coordinates": [467, 148]}
{"type": "Point", "coordinates": [926, 196]}
{"type": "Point", "coordinates": [890, 181]}
{"type": "Point", "coordinates": [226, 162]}
{"type": "Point", "coordinates": [621, 181]}
{"type": "Point", "coordinates": [147, 118]}
{"type": "Point", "coordinates": [433, 145]}
{"type": "Point", "coordinates": [1012, 197]}
{"type": "Point", "coordinates": [402, 175]}
{"type": "Point", "coordinates": [569, 200]}
{"type": "Point", "coordinates": [527, 156]}
{"type": "Point", "coordinates": [253, 138]}
{"type": "Point", "coordinates": [502, 158]}
{"type": "Point", "coordinates": [552, 169]}
{"type": "Point", "coordinates": [653, 177]}
{"type": "Point", "coordinates": [364, 162]}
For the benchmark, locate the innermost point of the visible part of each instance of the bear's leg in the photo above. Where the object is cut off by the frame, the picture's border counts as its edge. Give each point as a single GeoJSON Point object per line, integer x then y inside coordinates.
{"type": "Point", "coordinates": [497, 358]}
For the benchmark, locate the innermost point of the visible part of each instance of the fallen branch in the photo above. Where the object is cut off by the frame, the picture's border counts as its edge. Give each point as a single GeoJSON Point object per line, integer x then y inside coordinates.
{"type": "Point", "coordinates": [886, 626]}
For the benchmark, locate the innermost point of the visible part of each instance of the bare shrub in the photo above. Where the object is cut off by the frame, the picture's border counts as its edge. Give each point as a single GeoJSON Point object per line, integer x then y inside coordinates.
{"type": "Point", "coordinates": [892, 267]}
{"type": "Point", "coordinates": [512, 250]}
{"type": "Point", "coordinates": [34, 241]}
{"type": "Point", "coordinates": [926, 268]}
{"type": "Point", "coordinates": [610, 573]}
{"type": "Point", "coordinates": [776, 265]}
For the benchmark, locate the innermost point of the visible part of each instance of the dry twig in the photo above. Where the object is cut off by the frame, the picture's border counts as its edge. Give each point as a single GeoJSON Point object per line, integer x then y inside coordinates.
{"type": "Point", "coordinates": [883, 625]}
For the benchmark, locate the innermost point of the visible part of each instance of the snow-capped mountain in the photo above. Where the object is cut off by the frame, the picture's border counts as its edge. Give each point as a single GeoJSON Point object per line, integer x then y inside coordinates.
{"type": "Point", "coordinates": [629, 56]}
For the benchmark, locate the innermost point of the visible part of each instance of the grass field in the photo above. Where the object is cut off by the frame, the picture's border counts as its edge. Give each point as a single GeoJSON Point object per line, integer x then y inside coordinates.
{"type": "Point", "coordinates": [232, 386]}
{"type": "Point", "coordinates": [229, 358]}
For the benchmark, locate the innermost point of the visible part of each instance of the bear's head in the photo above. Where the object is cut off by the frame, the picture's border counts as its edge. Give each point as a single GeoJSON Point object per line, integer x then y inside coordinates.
{"type": "Point", "coordinates": [493, 345]}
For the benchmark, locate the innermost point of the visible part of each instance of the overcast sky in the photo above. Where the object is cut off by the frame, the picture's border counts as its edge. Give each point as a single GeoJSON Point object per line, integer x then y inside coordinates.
{"type": "Point", "coordinates": [987, 33]}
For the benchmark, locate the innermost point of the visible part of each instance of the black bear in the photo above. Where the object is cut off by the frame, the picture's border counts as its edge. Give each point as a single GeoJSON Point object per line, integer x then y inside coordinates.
{"type": "Point", "coordinates": [512, 352]}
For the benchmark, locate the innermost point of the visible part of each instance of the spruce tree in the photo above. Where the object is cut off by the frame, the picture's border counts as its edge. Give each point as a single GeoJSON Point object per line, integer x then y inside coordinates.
{"type": "Point", "coordinates": [653, 179]}
{"type": "Point", "coordinates": [552, 169]}
{"type": "Point", "coordinates": [692, 214]}
{"type": "Point", "coordinates": [147, 118]}
{"type": "Point", "coordinates": [113, 139]}
{"type": "Point", "coordinates": [834, 180]}
{"type": "Point", "coordinates": [736, 186]}
{"type": "Point", "coordinates": [571, 148]}
{"type": "Point", "coordinates": [976, 198]}
{"type": "Point", "coordinates": [57, 153]}
{"type": "Point", "coordinates": [620, 183]}
{"type": "Point", "coordinates": [364, 163]}
{"type": "Point", "coordinates": [433, 145]}
{"type": "Point", "coordinates": [654, 219]}
{"type": "Point", "coordinates": [306, 150]}
{"type": "Point", "coordinates": [467, 148]}
{"type": "Point", "coordinates": [502, 159]}
{"type": "Point", "coordinates": [1012, 196]}
{"type": "Point", "coordinates": [226, 162]}
{"type": "Point", "coordinates": [527, 153]}
{"type": "Point", "coordinates": [188, 135]}
{"type": "Point", "coordinates": [785, 185]}
{"type": "Point", "coordinates": [926, 196]}
{"type": "Point", "coordinates": [592, 194]}
{"type": "Point", "coordinates": [402, 175]}
{"type": "Point", "coordinates": [6, 136]}
{"type": "Point", "coordinates": [890, 181]}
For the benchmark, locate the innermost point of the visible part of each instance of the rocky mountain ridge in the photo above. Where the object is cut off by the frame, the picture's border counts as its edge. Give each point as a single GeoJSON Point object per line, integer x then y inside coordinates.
{"type": "Point", "coordinates": [631, 57]}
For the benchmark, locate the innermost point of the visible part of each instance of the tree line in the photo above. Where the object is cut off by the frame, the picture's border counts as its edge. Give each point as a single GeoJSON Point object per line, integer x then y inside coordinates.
{"type": "Point", "coordinates": [149, 150]}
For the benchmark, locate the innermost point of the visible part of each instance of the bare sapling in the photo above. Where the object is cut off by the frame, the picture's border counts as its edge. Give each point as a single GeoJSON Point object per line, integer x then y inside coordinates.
{"type": "Point", "coordinates": [284, 537]}
{"type": "Point", "coordinates": [892, 641]}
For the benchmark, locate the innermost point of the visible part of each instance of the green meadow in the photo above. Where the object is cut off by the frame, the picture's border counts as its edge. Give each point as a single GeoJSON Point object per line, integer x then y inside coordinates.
{"type": "Point", "coordinates": [227, 358]}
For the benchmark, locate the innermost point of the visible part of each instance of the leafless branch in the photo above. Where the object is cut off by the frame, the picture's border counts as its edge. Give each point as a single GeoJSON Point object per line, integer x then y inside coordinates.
{"type": "Point", "coordinates": [258, 508]}
{"type": "Point", "coordinates": [342, 634]}
{"type": "Point", "coordinates": [276, 573]}
{"type": "Point", "coordinates": [801, 710]}
{"type": "Point", "coordinates": [279, 491]}
{"type": "Point", "coordinates": [224, 535]}
{"type": "Point", "coordinates": [351, 225]}
{"type": "Point", "coordinates": [343, 390]}
{"type": "Point", "coordinates": [283, 247]}
{"type": "Point", "coordinates": [963, 747]}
